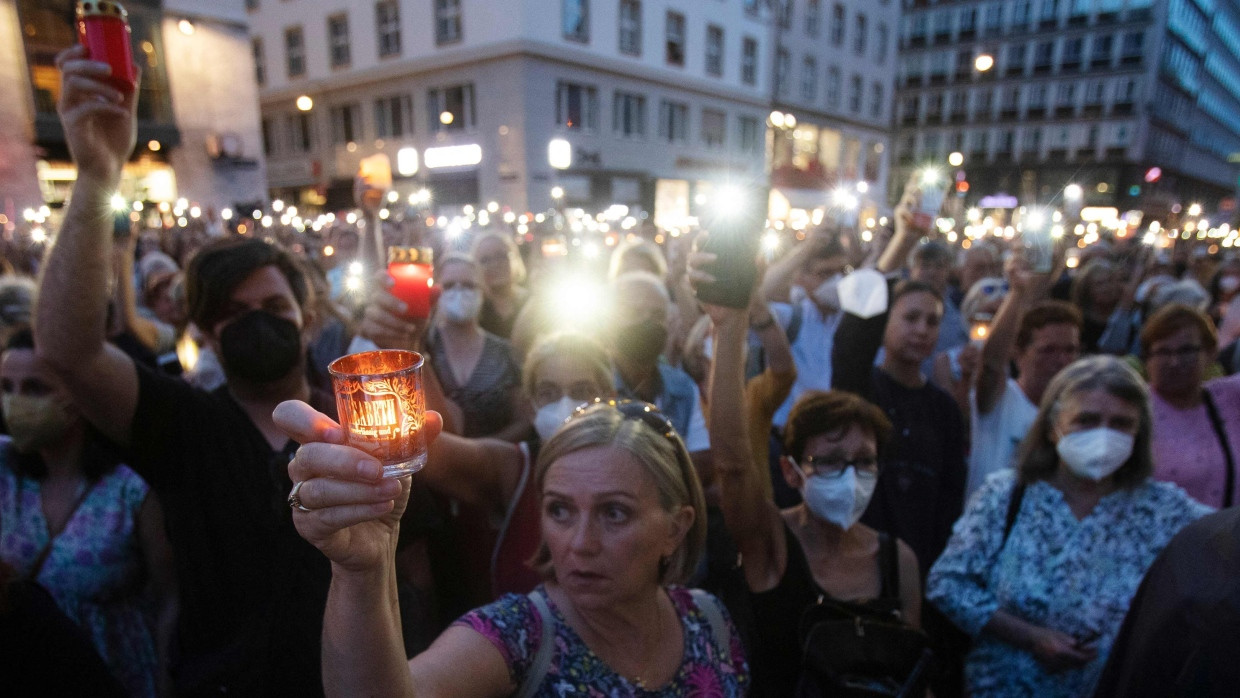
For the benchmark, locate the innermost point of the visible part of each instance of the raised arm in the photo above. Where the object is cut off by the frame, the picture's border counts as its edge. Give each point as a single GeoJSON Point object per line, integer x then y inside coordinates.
{"type": "Point", "coordinates": [750, 516]}
{"type": "Point", "coordinates": [1025, 289]}
{"type": "Point", "coordinates": [71, 310]}
{"type": "Point", "coordinates": [906, 232]}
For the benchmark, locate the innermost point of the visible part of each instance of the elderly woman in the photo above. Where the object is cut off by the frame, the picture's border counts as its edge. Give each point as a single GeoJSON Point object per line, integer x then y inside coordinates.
{"type": "Point", "coordinates": [475, 368]}
{"type": "Point", "coordinates": [1043, 564]}
{"type": "Point", "coordinates": [622, 519]}
{"type": "Point", "coordinates": [1196, 438]}
{"type": "Point", "coordinates": [503, 272]}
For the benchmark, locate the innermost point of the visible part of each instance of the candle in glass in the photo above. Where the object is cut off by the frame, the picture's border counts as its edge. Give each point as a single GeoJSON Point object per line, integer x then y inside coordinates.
{"type": "Point", "coordinates": [382, 407]}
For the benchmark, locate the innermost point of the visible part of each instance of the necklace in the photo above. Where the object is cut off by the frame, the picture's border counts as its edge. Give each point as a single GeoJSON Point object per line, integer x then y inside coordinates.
{"type": "Point", "coordinates": [658, 627]}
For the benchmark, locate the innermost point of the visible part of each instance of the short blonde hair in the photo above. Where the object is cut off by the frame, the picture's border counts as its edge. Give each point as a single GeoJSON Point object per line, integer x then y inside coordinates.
{"type": "Point", "coordinates": [515, 263]}
{"type": "Point", "coordinates": [663, 457]}
{"type": "Point", "coordinates": [638, 249]}
{"type": "Point", "coordinates": [569, 344]}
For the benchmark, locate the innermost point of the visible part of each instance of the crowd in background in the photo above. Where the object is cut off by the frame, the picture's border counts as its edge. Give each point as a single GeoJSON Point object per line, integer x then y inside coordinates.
{"type": "Point", "coordinates": [972, 455]}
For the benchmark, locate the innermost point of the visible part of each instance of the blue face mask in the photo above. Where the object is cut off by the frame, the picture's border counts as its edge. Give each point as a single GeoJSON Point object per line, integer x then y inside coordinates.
{"type": "Point", "coordinates": [839, 499]}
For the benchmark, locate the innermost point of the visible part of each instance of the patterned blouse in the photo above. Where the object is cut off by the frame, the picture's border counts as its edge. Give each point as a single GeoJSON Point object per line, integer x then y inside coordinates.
{"type": "Point", "coordinates": [94, 570]}
{"type": "Point", "coordinates": [1077, 577]}
{"type": "Point", "coordinates": [514, 626]}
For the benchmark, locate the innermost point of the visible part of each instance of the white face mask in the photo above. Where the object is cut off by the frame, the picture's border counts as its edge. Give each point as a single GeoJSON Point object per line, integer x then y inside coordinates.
{"type": "Point", "coordinates": [828, 292]}
{"type": "Point", "coordinates": [842, 499]}
{"type": "Point", "coordinates": [551, 417]}
{"type": "Point", "coordinates": [1095, 453]}
{"type": "Point", "coordinates": [460, 304]}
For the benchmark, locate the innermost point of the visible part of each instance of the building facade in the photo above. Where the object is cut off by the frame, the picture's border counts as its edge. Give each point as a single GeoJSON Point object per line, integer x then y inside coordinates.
{"type": "Point", "coordinates": [1133, 100]}
{"type": "Point", "coordinates": [198, 130]}
{"type": "Point", "coordinates": [646, 103]}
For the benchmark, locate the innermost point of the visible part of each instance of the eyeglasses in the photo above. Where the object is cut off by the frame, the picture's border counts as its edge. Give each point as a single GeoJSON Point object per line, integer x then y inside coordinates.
{"type": "Point", "coordinates": [581, 391]}
{"type": "Point", "coordinates": [1185, 352]}
{"type": "Point", "coordinates": [635, 409]}
{"type": "Point", "coordinates": [832, 466]}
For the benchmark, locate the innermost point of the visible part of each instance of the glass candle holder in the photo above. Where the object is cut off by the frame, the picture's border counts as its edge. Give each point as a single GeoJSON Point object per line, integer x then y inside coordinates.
{"type": "Point", "coordinates": [413, 279]}
{"type": "Point", "coordinates": [382, 407]}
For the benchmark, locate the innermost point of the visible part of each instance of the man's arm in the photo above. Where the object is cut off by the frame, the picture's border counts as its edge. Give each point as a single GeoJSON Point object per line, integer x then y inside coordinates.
{"type": "Point", "coordinates": [71, 310]}
{"type": "Point", "coordinates": [1026, 288]}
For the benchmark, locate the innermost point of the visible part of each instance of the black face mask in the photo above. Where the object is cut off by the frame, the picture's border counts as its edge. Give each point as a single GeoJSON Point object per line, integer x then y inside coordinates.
{"type": "Point", "coordinates": [641, 342]}
{"type": "Point", "coordinates": [259, 347]}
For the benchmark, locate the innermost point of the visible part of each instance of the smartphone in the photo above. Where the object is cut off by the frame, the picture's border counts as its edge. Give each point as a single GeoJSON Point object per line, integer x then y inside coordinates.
{"type": "Point", "coordinates": [1038, 241]}
{"type": "Point", "coordinates": [733, 228]}
{"type": "Point", "coordinates": [413, 280]}
{"type": "Point", "coordinates": [103, 28]}
{"type": "Point", "coordinates": [933, 186]}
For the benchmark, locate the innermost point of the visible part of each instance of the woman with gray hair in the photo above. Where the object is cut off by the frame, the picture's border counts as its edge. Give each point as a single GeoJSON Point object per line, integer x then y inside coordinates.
{"type": "Point", "coordinates": [623, 521]}
{"type": "Point", "coordinates": [1041, 568]}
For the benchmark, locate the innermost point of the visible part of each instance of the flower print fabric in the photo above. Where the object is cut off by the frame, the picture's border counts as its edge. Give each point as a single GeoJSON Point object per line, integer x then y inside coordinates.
{"type": "Point", "coordinates": [94, 570]}
{"type": "Point", "coordinates": [513, 626]}
{"type": "Point", "coordinates": [1077, 577]}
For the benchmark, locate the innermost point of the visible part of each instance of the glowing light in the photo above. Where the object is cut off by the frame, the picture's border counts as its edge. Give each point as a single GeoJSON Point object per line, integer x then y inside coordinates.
{"type": "Point", "coordinates": [38, 235]}
{"type": "Point", "coordinates": [355, 268]}
{"type": "Point", "coordinates": [304, 103]}
{"type": "Point", "coordinates": [590, 250]}
{"type": "Point", "coordinates": [182, 222]}
{"type": "Point", "coordinates": [187, 352]}
{"type": "Point", "coordinates": [350, 218]}
{"type": "Point", "coordinates": [863, 187]}
{"type": "Point", "coordinates": [1194, 210]}
{"type": "Point", "coordinates": [118, 203]}
{"type": "Point", "coordinates": [510, 217]}
{"type": "Point", "coordinates": [777, 119]}
{"type": "Point", "coordinates": [770, 242]}
{"type": "Point", "coordinates": [153, 146]}
{"type": "Point", "coordinates": [929, 176]}
{"type": "Point", "coordinates": [195, 212]}
{"type": "Point", "coordinates": [955, 159]}
{"type": "Point", "coordinates": [266, 221]}
{"type": "Point", "coordinates": [276, 206]}
{"type": "Point", "coordinates": [557, 193]}
{"type": "Point", "coordinates": [407, 162]}
{"type": "Point", "coordinates": [353, 283]}
{"type": "Point", "coordinates": [1073, 192]}
{"type": "Point", "coordinates": [844, 199]}
{"type": "Point", "coordinates": [446, 118]}
{"type": "Point", "coordinates": [328, 251]}
{"type": "Point", "coordinates": [186, 27]}
{"type": "Point", "coordinates": [560, 154]}
{"type": "Point", "coordinates": [983, 62]}
{"type": "Point", "coordinates": [452, 156]}
{"type": "Point", "coordinates": [493, 206]}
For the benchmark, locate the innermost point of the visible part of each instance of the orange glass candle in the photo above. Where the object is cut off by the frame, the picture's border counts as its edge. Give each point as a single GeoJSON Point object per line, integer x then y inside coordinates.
{"type": "Point", "coordinates": [382, 407]}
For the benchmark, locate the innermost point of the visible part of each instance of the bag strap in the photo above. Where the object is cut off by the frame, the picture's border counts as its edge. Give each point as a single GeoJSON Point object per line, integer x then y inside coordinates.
{"type": "Point", "coordinates": [546, 647]}
{"type": "Point", "coordinates": [888, 567]}
{"type": "Point", "coordinates": [1221, 433]}
{"type": "Point", "coordinates": [719, 628]}
{"type": "Point", "coordinates": [1013, 510]}
{"type": "Point", "coordinates": [41, 558]}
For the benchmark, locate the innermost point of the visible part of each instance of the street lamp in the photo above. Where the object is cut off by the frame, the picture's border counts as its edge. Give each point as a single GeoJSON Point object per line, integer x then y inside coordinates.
{"type": "Point", "coordinates": [304, 103]}
{"type": "Point", "coordinates": [1073, 192]}
{"type": "Point", "coordinates": [557, 193]}
{"type": "Point", "coordinates": [983, 62]}
{"type": "Point", "coordinates": [955, 159]}
{"type": "Point", "coordinates": [1194, 210]}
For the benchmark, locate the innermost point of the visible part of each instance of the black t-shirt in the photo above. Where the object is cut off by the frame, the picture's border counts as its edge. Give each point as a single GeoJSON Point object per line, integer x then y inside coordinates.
{"type": "Point", "coordinates": [252, 590]}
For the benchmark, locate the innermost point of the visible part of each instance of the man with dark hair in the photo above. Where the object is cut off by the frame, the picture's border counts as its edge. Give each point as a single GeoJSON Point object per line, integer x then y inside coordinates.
{"type": "Point", "coordinates": [1041, 338]}
{"type": "Point", "coordinates": [252, 590]}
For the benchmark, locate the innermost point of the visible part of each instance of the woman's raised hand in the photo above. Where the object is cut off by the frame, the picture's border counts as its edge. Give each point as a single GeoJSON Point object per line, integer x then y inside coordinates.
{"type": "Point", "coordinates": [354, 513]}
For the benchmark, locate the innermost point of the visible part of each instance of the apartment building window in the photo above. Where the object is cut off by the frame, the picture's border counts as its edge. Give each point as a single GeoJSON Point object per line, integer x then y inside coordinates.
{"type": "Point", "coordinates": [749, 134]}
{"type": "Point", "coordinates": [300, 131]}
{"type": "Point", "coordinates": [838, 18]}
{"type": "Point", "coordinates": [1130, 49]}
{"type": "Point", "coordinates": [1094, 90]}
{"type": "Point", "coordinates": [993, 18]}
{"type": "Point", "coordinates": [833, 87]}
{"type": "Point", "coordinates": [576, 18]}
{"type": "Point", "coordinates": [1022, 14]}
{"type": "Point", "coordinates": [1126, 91]}
{"type": "Point", "coordinates": [876, 100]}
{"type": "Point", "coordinates": [576, 106]}
{"type": "Point", "coordinates": [968, 21]}
{"type": "Point", "coordinates": [338, 40]}
{"type": "Point", "coordinates": [783, 12]}
{"type": "Point", "coordinates": [387, 27]}
{"type": "Point", "coordinates": [673, 121]}
{"type": "Point", "coordinates": [854, 94]}
{"type": "Point", "coordinates": [1078, 13]}
{"type": "Point", "coordinates": [631, 27]}
{"type": "Point", "coordinates": [714, 128]}
{"type": "Point", "coordinates": [957, 104]}
{"type": "Point", "coordinates": [268, 133]}
{"type": "Point", "coordinates": [1065, 96]}
{"type": "Point", "coordinates": [942, 25]}
{"type": "Point", "coordinates": [1043, 57]}
{"type": "Point", "coordinates": [714, 51]}
{"type": "Point", "coordinates": [783, 66]}
{"type": "Point", "coordinates": [880, 43]}
{"type": "Point", "coordinates": [294, 52]}
{"type": "Point", "coordinates": [1036, 100]}
{"type": "Point", "coordinates": [983, 105]}
{"type": "Point", "coordinates": [813, 17]}
{"type": "Point", "coordinates": [260, 60]}
{"type": "Point", "coordinates": [346, 123]}
{"type": "Point", "coordinates": [859, 35]}
{"type": "Point", "coordinates": [394, 116]}
{"type": "Point", "coordinates": [675, 33]}
{"type": "Point", "coordinates": [1102, 51]}
{"type": "Point", "coordinates": [1073, 50]}
{"type": "Point", "coordinates": [629, 115]}
{"type": "Point", "coordinates": [909, 109]}
{"type": "Point", "coordinates": [809, 79]}
{"type": "Point", "coordinates": [447, 21]}
{"type": "Point", "coordinates": [1016, 59]}
{"type": "Point", "coordinates": [749, 61]}
{"type": "Point", "coordinates": [451, 108]}
{"type": "Point", "coordinates": [1032, 141]}
{"type": "Point", "coordinates": [1050, 14]}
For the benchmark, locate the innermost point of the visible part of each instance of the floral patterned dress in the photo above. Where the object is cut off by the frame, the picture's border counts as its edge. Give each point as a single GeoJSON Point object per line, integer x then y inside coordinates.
{"type": "Point", "coordinates": [514, 626]}
{"type": "Point", "coordinates": [1077, 577]}
{"type": "Point", "coordinates": [94, 570]}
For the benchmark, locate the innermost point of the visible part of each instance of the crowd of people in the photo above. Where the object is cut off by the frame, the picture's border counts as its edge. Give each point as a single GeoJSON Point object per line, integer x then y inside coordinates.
{"type": "Point", "coordinates": [836, 489]}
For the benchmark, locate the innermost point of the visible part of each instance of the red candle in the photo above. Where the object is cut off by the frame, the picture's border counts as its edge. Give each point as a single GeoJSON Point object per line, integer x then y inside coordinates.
{"type": "Point", "coordinates": [103, 28]}
{"type": "Point", "coordinates": [413, 279]}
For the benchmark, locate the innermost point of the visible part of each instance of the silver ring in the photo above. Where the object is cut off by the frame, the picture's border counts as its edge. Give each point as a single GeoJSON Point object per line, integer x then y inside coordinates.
{"type": "Point", "coordinates": [294, 498]}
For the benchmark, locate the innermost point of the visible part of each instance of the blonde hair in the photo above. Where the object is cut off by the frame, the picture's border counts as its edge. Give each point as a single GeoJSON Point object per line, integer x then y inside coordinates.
{"type": "Point", "coordinates": [638, 249]}
{"type": "Point", "coordinates": [568, 344]}
{"type": "Point", "coordinates": [515, 264]}
{"type": "Point", "coordinates": [662, 456]}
